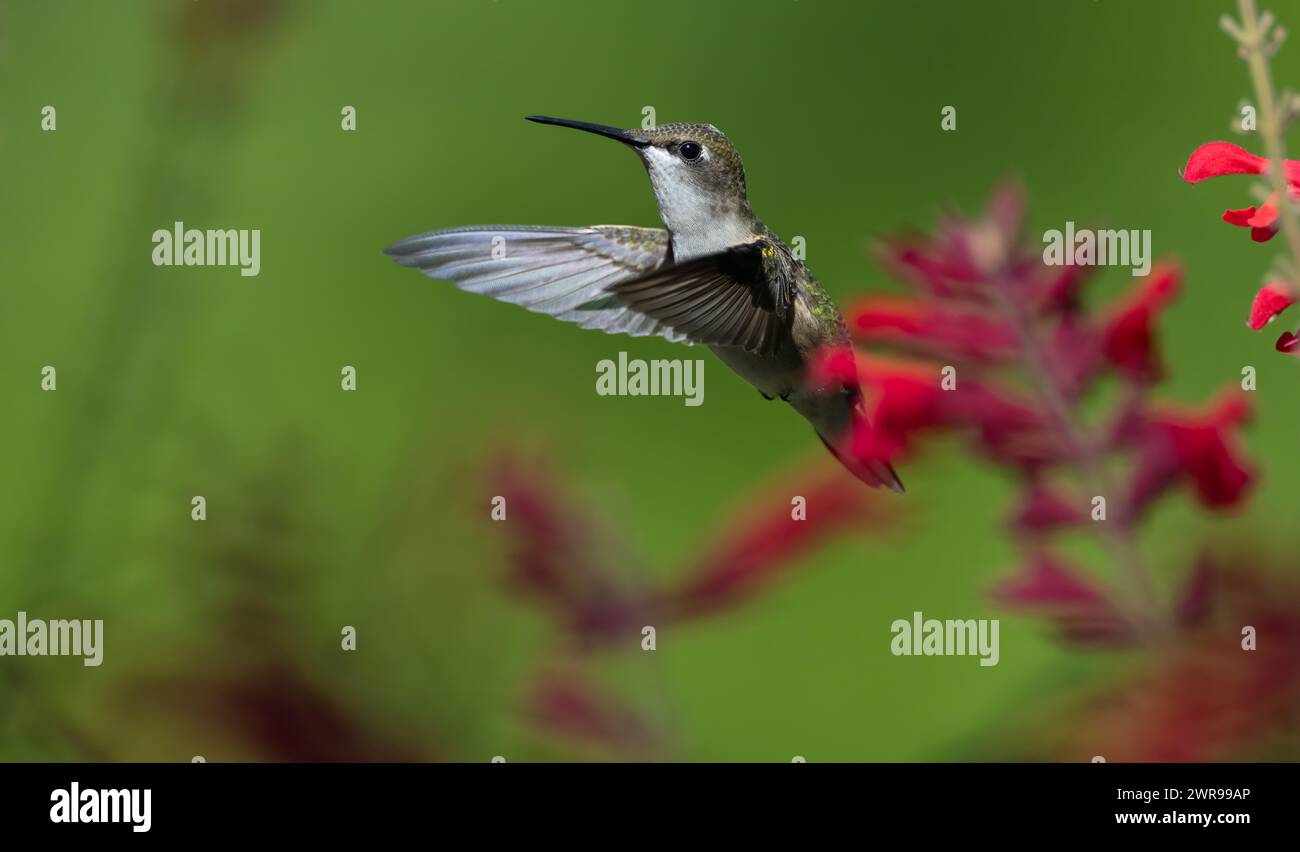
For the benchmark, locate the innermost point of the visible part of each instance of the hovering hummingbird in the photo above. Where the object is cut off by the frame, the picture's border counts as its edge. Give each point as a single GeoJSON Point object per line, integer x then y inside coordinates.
{"type": "Point", "coordinates": [715, 275]}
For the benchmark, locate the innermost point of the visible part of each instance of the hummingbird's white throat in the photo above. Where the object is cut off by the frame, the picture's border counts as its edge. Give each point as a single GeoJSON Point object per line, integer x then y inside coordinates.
{"type": "Point", "coordinates": [701, 222]}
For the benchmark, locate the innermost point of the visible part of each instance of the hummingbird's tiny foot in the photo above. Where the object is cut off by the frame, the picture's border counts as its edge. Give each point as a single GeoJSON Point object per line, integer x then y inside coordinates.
{"type": "Point", "coordinates": [766, 397]}
{"type": "Point", "coordinates": [785, 397]}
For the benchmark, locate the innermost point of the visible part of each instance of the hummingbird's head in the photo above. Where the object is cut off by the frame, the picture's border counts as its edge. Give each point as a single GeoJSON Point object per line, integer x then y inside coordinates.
{"type": "Point", "coordinates": [697, 177]}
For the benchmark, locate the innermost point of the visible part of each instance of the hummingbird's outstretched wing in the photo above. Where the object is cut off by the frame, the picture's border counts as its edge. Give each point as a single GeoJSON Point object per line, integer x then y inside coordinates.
{"type": "Point", "coordinates": [738, 297]}
{"type": "Point", "coordinates": [563, 272]}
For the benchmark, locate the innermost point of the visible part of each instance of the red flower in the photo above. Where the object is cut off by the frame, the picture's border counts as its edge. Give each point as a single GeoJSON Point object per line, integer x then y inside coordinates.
{"type": "Point", "coordinates": [907, 398]}
{"type": "Point", "coordinates": [1200, 447]}
{"type": "Point", "coordinates": [1214, 159]}
{"type": "Point", "coordinates": [921, 326]}
{"type": "Point", "coordinates": [550, 555]}
{"type": "Point", "coordinates": [902, 398]}
{"type": "Point", "coordinates": [956, 261]}
{"type": "Point", "coordinates": [1129, 331]}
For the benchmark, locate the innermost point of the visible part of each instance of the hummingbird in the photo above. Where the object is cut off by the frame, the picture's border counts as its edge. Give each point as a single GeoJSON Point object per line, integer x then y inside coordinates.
{"type": "Point", "coordinates": [713, 275]}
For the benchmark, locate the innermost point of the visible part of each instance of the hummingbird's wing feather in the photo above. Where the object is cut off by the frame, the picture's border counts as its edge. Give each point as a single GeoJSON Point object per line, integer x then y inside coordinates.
{"type": "Point", "coordinates": [738, 297]}
{"type": "Point", "coordinates": [563, 272]}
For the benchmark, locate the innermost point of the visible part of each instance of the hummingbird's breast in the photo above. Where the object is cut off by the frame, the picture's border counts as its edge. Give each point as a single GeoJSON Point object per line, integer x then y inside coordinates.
{"type": "Point", "coordinates": [703, 235]}
{"type": "Point", "coordinates": [778, 375]}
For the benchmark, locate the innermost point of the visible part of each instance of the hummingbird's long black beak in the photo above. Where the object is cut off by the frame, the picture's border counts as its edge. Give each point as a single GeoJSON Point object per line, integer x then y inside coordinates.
{"type": "Point", "coordinates": [599, 129]}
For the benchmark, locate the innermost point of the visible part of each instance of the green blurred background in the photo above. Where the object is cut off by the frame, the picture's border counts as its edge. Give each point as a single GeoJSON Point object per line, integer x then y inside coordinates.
{"type": "Point", "coordinates": [328, 508]}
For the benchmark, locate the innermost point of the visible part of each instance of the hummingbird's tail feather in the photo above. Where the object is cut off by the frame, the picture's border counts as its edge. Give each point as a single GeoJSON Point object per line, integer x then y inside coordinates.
{"type": "Point", "coordinates": [562, 272]}
{"type": "Point", "coordinates": [877, 473]}
{"type": "Point", "coordinates": [844, 427]}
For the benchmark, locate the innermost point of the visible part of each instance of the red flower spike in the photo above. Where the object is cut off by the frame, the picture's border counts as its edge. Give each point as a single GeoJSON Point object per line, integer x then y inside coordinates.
{"type": "Point", "coordinates": [987, 305]}
{"type": "Point", "coordinates": [1288, 343]}
{"type": "Point", "coordinates": [1271, 300]}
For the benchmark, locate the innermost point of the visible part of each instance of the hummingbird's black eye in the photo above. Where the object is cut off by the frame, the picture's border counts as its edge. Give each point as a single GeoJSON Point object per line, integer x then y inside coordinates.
{"type": "Point", "coordinates": [690, 150]}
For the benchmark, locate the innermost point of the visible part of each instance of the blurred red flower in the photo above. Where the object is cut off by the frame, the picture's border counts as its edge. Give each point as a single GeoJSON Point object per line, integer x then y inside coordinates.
{"type": "Point", "coordinates": [1129, 327]}
{"type": "Point", "coordinates": [1199, 447]}
{"type": "Point", "coordinates": [1227, 690]}
{"type": "Point", "coordinates": [1080, 611]}
{"type": "Point", "coordinates": [556, 558]}
{"type": "Point", "coordinates": [565, 703]}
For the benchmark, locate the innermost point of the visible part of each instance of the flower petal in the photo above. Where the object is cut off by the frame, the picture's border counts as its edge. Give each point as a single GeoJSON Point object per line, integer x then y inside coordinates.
{"type": "Point", "coordinates": [1266, 215]}
{"type": "Point", "coordinates": [1241, 218]}
{"type": "Point", "coordinates": [1214, 159]}
{"type": "Point", "coordinates": [1271, 300]}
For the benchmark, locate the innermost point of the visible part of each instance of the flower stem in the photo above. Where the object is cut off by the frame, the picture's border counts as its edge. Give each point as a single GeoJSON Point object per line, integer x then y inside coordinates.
{"type": "Point", "coordinates": [1089, 460]}
{"type": "Point", "coordinates": [1270, 122]}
